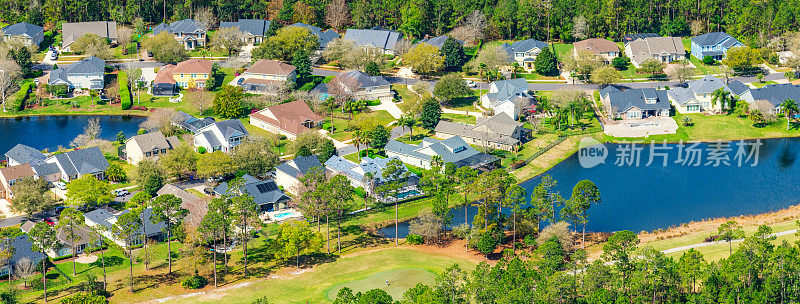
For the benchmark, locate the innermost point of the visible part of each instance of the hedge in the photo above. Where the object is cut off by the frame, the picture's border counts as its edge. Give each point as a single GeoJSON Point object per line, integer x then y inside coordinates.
{"type": "Point", "coordinates": [124, 92]}
{"type": "Point", "coordinates": [21, 96]}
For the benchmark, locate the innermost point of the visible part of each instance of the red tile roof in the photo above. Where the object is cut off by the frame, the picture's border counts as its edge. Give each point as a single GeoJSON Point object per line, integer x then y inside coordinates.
{"type": "Point", "coordinates": [290, 116]}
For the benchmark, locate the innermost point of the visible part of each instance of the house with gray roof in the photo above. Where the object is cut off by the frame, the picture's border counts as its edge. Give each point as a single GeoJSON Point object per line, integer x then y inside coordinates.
{"type": "Point", "coordinates": [266, 193]}
{"type": "Point", "coordinates": [715, 45]}
{"type": "Point", "coordinates": [698, 95]}
{"type": "Point", "coordinates": [190, 123]}
{"type": "Point", "coordinates": [768, 98]}
{"type": "Point", "coordinates": [87, 74]}
{"type": "Point", "coordinates": [221, 135]}
{"type": "Point", "coordinates": [452, 150]}
{"type": "Point", "coordinates": [497, 132]}
{"type": "Point", "coordinates": [368, 174]}
{"type": "Point", "coordinates": [22, 250]}
{"type": "Point", "coordinates": [438, 41]}
{"type": "Point", "coordinates": [661, 49]}
{"type": "Point", "coordinates": [22, 154]}
{"type": "Point", "coordinates": [189, 32]}
{"type": "Point", "coordinates": [71, 31]}
{"type": "Point", "coordinates": [636, 103]}
{"type": "Point", "coordinates": [508, 96]}
{"type": "Point", "coordinates": [524, 52]}
{"type": "Point", "coordinates": [382, 39]}
{"type": "Point", "coordinates": [104, 219]}
{"type": "Point", "coordinates": [324, 37]}
{"type": "Point", "coordinates": [361, 86]}
{"type": "Point", "coordinates": [288, 174]}
{"type": "Point", "coordinates": [628, 38]}
{"type": "Point", "coordinates": [77, 163]}
{"type": "Point", "coordinates": [26, 33]}
{"type": "Point", "coordinates": [81, 242]}
{"type": "Point", "coordinates": [255, 30]}
{"type": "Point", "coordinates": [197, 207]}
{"type": "Point", "coordinates": [148, 146]}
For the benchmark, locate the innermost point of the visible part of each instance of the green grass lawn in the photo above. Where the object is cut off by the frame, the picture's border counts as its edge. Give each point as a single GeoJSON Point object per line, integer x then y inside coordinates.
{"type": "Point", "coordinates": [722, 127]}
{"type": "Point", "coordinates": [536, 76]}
{"type": "Point", "coordinates": [762, 84]}
{"type": "Point", "coordinates": [409, 98]}
{"type": "Point", "coordinates": [459, 118]}
{"type": "Point", "coordinates": [344, 126]}
{"type": "Point", "coordinates": [630, 73]}
{"type": "Point", "coordinates": [703, 69]}
{"type": "Point", "coordinates": [563, 49]}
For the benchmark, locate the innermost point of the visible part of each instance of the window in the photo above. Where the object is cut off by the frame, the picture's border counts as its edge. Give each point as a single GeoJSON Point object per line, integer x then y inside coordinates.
{"type": "Point", "coordinates": [193, 75]}
{"type": "Point", "coordinates": [693, 108]}
{"type": "Point", "coordinates": [634, 114]}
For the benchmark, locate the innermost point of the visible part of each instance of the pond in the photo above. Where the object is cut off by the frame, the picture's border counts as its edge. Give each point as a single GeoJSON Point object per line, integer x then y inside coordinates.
{"type": "Point", "coordinates": [49, 132]}
{"type": "Point", "coordinates": [658, 196]}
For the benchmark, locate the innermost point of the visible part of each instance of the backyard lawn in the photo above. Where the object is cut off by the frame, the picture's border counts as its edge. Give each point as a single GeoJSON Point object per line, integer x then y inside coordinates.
{"type": "Point", "coordinates": [344, 126]}
{"type": "Point", "coordinates": [721, 127]}
{"type": "Point", "coordinates": [459, 118]}
{"type": "Point", "coordinates": [762, 84]}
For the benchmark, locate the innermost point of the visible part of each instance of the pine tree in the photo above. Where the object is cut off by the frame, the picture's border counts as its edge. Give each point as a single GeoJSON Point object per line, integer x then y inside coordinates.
{"type": "Point", "coordinates": [453, 53]}
{"type": "Point", "coordinates": [546, 63]}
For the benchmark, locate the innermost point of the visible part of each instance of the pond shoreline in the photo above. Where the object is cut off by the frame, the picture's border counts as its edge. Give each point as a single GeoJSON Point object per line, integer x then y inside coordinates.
{"type": "Point", "coordinates": [101, 113]}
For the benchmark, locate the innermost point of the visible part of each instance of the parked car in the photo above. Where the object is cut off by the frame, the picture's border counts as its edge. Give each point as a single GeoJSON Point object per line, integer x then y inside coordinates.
{"type": "Point", "coordinates": [54, 55]}
{"type": "Point", "coordinates": [49, 221]}
{"type": "Point", "coordinates": [61, 185]}
{"type": "Point", "coordinates": [121, 192]}
{"type": "Point", "coordinates": [471, 83]}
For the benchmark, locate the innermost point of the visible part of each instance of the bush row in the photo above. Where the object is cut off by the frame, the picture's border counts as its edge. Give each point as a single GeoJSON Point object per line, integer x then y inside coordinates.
{"type": "Point", "coordinates": [124, 92]}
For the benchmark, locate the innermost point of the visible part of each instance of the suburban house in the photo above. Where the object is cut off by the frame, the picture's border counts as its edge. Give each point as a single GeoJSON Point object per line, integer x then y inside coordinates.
{"type": "Point", "coordinates": [508, 96]}
{"type": "Point", "coordinates": [288, 174]}
{"type": "Point", "coordinates": [267, 73]}
{"type": "Point", "coordinates": [324, 37]}
{"type": "Point", "coordinates": [715, 45]}
{"type": "Point", "coordinates": [22, 250]}
{"type": "Point", "coordinates": [661, 49]}
{"type": "Point", "coordinates": [10, 175]}
{"type": "Point", "coordinates": [697, 96]}
{"type": "Point", "coordinates": [87, 74]}
{"type": "Point", "coordinates": [22, 154]}
{"type": "Point", "coordinates": [497, 132]}
{"type": "Point", "coordinates": [77, 163]}
{"type": "Point", "coordinates": [635, 103]}
{"type": "Point", "coordinates": [628, 38]}
{"type": "Point", "coordinates": [189, 32]}
{"type": "Point", "coordinates": [190, 123]}
{"type": "Point", "coordinates": [290, 119]}
{"type": "Point", "coordinates": [524, 52]}
{"type": "Point", "coordinates": [164, 85]}
{"type": "Point", "coordinates": [368, 174]}
{"type": "Point", "coordinates": [82, 242]}
{"type": "Point", "coordinates": [148, 146]}
{"type": "Point", "coordinates": [196, 206]}
{"type": "Point", "coordinates": [438, 41]}
{"type": "Point", "coordinates": [26, 33]}
{"type": "Point", "coordinates": [452, 150]}
{"type": "Point", "coordinates": [104, 220]}
{"type": "Point", "coordinates": [71, 31]}
{"type": "Point", "coordinates": [191, 73]}
{"type": "Point", "coordinates": [361, 86]}
{"type": "Point", "coordinates": [265, 193]}
{"type": "Point", "coordinates": [769, 98]}
{"type": "Point", "coordinates": [254, 29]}
{"type": "Point", "coordinates": [221, 135]}
{"type": "Point", "coordinates": [601, 49]}
{"type": "Point", "coordinates": [379, 38]}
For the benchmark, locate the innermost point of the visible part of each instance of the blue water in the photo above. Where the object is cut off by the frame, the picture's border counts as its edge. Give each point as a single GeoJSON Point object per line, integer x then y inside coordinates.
{"type": "Point", "coordinates": [647, 198]}
{"type": "Point", "coordinates": [278, 216]}
{"type": "Point", "coordinates": [405, 194]}
{"type": "Point", "coordinates": [49, 132]}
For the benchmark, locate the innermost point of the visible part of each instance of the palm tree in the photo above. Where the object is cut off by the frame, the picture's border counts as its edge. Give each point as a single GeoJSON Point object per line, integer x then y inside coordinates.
{"type": "Point", "coordinates": [92, 95]}
{"type": "Point", "coordinates": [410, 122]}
{"type": "Point", "coordinates": [401, 122]}
{"type": "Point", "coordinates": [359, 139]}
{"type": "Point", "coordinates": [789, 107]}
{"type": "Point", "coordinates": [720, 96]}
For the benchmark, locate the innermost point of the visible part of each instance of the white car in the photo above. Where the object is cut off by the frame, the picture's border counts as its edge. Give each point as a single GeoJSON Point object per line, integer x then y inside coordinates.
{"type": "Point", "coordinates": [54, 55]}
{"type": "Point", "coordinates": [471, 84]}
{"type": "Point", "coordinates": [121, 192]}
{"type": "Point", "coordinates": [60, 185]}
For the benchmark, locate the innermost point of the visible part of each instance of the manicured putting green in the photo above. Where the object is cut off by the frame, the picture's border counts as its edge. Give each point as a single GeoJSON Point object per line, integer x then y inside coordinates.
{"type": "Point", "coordinates": [400, 280]}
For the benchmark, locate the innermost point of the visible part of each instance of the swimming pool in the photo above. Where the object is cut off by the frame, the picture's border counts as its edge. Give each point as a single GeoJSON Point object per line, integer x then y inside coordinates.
{"type": "Point", "coordinates": [283, 215]}
{"type": "Point", "coordinates": [406, 194]}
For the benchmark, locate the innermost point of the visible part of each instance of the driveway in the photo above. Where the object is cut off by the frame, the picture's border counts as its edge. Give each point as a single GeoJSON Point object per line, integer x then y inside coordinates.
{"type": "Point", "coordinates": [149, 74]}
{"type": "Point", "coordinates": [5, 209]}
{"type": "Point", "coordinates": [390, 107]}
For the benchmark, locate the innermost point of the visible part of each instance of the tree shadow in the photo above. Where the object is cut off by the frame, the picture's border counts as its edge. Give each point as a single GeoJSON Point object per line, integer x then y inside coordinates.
{"type": "Point", "coordinates": [110, 261]}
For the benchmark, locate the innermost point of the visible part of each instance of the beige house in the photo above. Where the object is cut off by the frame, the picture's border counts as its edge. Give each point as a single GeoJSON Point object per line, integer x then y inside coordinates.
{"type": "Point", "coordinates": [10, 175]}
{"type": "Point", "coordinates": [698, 96]}
{"type": "Point", "coordinates": [361, 86]}
{"type": "Point", "coordinates": [661, 49]}
{"type": "Point", "coordinates": [600, 49]}
{"type": "Point", "coordinates": [290, 119]}
{"type": "Point", "coordinates": [267, 73]}
{"type": "Point", "coordinates": [497, 132]}
{"type": "Point", "coordinates": [148, 146]}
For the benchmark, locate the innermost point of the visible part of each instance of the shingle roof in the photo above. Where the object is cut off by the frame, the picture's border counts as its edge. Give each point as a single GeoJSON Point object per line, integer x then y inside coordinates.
{"type": "Point", "coordinates": [737, 87]}
{"type": "Point", "coordinates": [708, 84]}
{"type": "Point", "coordinates": [164, 75]}
{"type": "Point", "coordinates": [154, 140]}
{"type": "Point", "coordinates": [631, 37]}
{"type": "Point", "coordinates": [22, 29]}
{"type": "Point", "coordinates": [262, 191]}
{"type": "Point", "coordinates": [289, 116]}
{"type": "Point", "coordinates": [506, 90]}
{"type": "Point", "coordinates": [715, 38]}
{"type": "Point", "coordinates": [82, 235]}
{"type": "Point", "coordinates": [384, 39]}
{"type": "Point", "coordinates": [198, 66]}
{"type": "Point", "coordinates": [22, 249]}
{"type": "Point", "coordinates": [498, 129]}
{"type": "Point", "coordinates": [643, 49]}
{"type": "Point", "coordinates": [88, 65]}
{"type": "Point", "coordinates": [255, 27]}
{"type": "Point", "coordinates": [44, 169]}
{"type": "Point", "coordinates": [774, 94]}
{"type": "Point", "coordinates": [523, 46]}
{"type": "Point", "coordinates": [608, 89]}
{"type": "Point", "coordinates": [299, 165]}
{"type": "Point", "coordinates": [358, 171]}
{"type": "Point", "coordinates": [82, 161]}
{"type": "Point", "coordinates": [196, 206]}
{"type": "Point", "coordinates": [271, 67]}
{"type": "Point", "coordinates": [324, 37]}
{"type": "Point", "coordinates": [358, 79]}
{"type": "Point", "coordinates": [596, 45]}
{"type": "Point", "coordinates": [106, 219]}
{"type": "Point", "coordinates": [17, 172]}
{"type": "Point", "coordinates": [452, 150]}
{"type": "Point", "coordinates": [191, 123]}
{"type": "Point", "coordinates": [72, 31]}
{"type": "Point", "coordinates": [438, 41]}
{"type": "Point", "coordinates": [624, 100]}
{"type": "Point", "coordinates": [183, 26]}
{"type": "Point", "coordinates": [25, 154]}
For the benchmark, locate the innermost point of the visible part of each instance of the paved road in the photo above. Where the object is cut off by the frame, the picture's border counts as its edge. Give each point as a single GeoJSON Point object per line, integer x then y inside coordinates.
{"type": "Point", "coordinates": [12, 221]}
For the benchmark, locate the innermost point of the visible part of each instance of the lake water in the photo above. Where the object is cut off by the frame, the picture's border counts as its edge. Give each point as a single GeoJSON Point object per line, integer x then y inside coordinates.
{"type": "Point", "coordinates": [651, 197]}
{"type": "Point", "coordinates": [49, 132]}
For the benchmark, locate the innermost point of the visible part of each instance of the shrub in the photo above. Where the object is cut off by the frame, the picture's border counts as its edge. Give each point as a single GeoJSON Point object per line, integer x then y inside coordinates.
{"type": "Point", "coordinates": [373, 103]}
{"type": "Point", "coordinates": [415, 239]}
{"type": "Point", "coordinates": [487, 242]}
{"type": "Point", "coordinates": [529, 240]}
{"type": "Point", "coordinates": [194, 282]}
{"type": "Point", "coordinates": [708, 60]}
{"type": "Point", "coordinates": [360, 192]}
{"type": "Point", "coordinates": [84, 298]}
{"type": "Point", "coordinates": [308, 86]}
{"type": "Point", "coordinates": [620, 63]}
{"type": "Point", "coordinates": [124, 92]}
{"type": "Point", "coordinates": [21, 96]}
{"type": "Point", "coordinates": [328, 79]}
{"type": "Point", "coordinates": [201, 150]}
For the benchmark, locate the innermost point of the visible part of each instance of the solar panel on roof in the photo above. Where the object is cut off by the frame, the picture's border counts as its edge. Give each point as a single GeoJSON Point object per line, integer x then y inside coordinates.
{"type": "Point", "coordinates": [266, 187]}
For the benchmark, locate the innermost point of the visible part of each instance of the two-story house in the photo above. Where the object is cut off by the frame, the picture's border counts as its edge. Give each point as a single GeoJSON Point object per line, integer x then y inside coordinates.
{"type": "Point", "coordinates": [368, 174]}
{"type": "Point", "coordinates": [254, 30]}
{"type": "Point", "coordinates": [361, 86]}
{"type": "Point", "coordinates": [87, 74]}
{"type": "Point", "coordinates": [221, 136]}
{"type": "Point", "coordinates": [508, 96]}
{"type": "Point", "coordinates": [77, 163]}
{"type": "Point", "coordinates": [452, 150]}
{"type": "Point", "coordinates": [635, 103]}
{"type": "Point", "coordinates": [497, 132]}
{"type": "Point", "coordinates": [265, 73]}
{"type": "Point", "coordinates": [187, 74]}
{"type": "Point", "coordinates": [376, 37]}
{"type": "Point", "coordinates": [71, 31]}
{"type": "Point", "coordinates": [600, 49]}
{"type": "Point", "coordinates": [189, 32]}
{"type": "Point", "coordinates": [26, 33]}
{"type": "Point", "coordinates": [10, 175]}
{"type": "Point", "coordinates": [661, 49]}
{"type": "Point", "coordinates": [324, 37]}
{"type": "Point", "coordinates": [22, 154]}
{"type": "Point", "coordinates": [288, 174]}
{"type": "Point", "coordinates": [714, 45]}
{"type": "Point", "coordinates": [148, 146]}
{"type": "Point", "coordinates": [698, 96]}
{"type": "Point", "coordinates": [290, 119]}
{"type": "Point", "coordinates": [524, 52]}
{"type": "Point", "coordinates": [769, 98]}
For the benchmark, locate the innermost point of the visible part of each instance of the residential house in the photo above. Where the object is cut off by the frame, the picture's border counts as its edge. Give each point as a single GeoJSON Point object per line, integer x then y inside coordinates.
{"type": "Point", "coordinates": [255, 30]}
{"type": "Point", "coordinates": [22, 250]}
{"type": "Point", "coordinates": [628, 38]}
{"type": "Point", "coordinates": [368, 174]}
{"type": "Point", "coordinates": [266, 74]}
{"type": "Point", "coordinates": [290, 119]}
{"type": "Point", "coordinates": [192, 73]}
{"type": "Point", "coordinates": [47, 171]}
{"type": "Point", "coordinates": [508, 96]}
{"type": "Point", "coordinates": [452, 150]}
{"type": "Point", "coordinates": [77, 163]}
{"type": "Point", "coordinates": [601, 49]}
{"type": "Point", "coordinates": [324, 37]}
{"type": "Point", "coordinates": [635, 103]}
{"type": "Point", "coordinates": [71, 31]}
{"type": "Point", "coordinates": [698, 95]}
{"type": "Point", "coordinates": [221, 136]}
{"type": "Point", "coordinates": [164, 85]}
{"type": "Point", "coordinates": [87, 74]}
{"type": "Point", "coordinates": [288, 174]}
{"type": "Point", "coordinates": [438, 41]}
{"type": "Point", "coordinates": [22, 154]}
{"type": "Point", "coordinates": [265, 193]}
{"type": "Point", "coordinates": [661, 49]}
{"type": "Point", "coordinates": [379, 38]}
{"type": "Point", "coordinates": [497, 132]}
{"type": "Point", "coordinates": [10, 175]}
{"type": "Point", "coordinates": [196, 206]}
{"type": "Point", "coordinates": [361, 86]}
{"type": "Point", "coordinates": [104, 220]}
{"type": "Point", "coordinates": [524, 52]}
{"type": "Point", "coordinates": [189, 32]}
{"type": "Point", "coordinates": [715, 45]}
{"type": "Point", "coordinates": [80, 244]}
{"type": "Point", "coordinates": [26, 33]}
{"type": "Point", "coordinates": [784, 57]}
{"type": "Point", "coordinates": [190, 123]}
{"type": "Point", "coordinates": [769, 98]}
{"type": "Point", "coordinates": [148, 146]}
